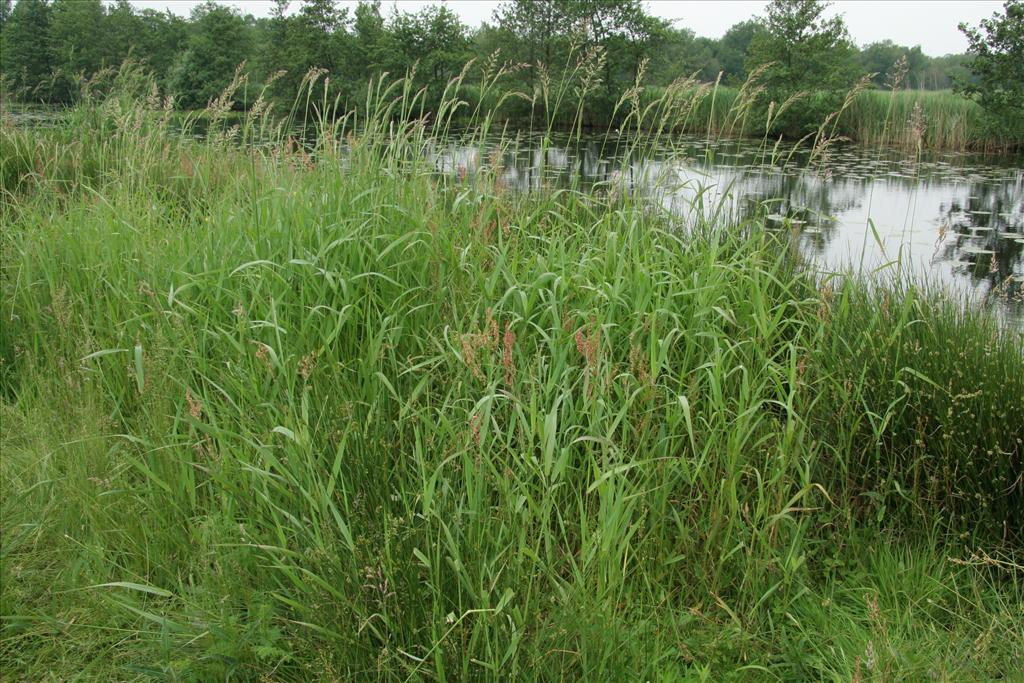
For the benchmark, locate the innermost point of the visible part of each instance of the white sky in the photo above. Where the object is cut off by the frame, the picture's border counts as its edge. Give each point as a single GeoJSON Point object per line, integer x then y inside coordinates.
{"type": "Point", "coordinates": [928, 23]}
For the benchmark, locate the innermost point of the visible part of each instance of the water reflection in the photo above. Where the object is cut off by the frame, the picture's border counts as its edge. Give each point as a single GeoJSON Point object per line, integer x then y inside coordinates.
{"type": "Point", "coordinates": [954, 219]}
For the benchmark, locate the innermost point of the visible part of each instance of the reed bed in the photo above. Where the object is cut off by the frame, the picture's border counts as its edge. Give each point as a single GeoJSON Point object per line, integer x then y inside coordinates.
{"type": "Point", "coordinates": [277, 412]}
{"type": "Point", "coordinates": [908, 119]}
{"type": "Point", "coordinates": [919, 119]}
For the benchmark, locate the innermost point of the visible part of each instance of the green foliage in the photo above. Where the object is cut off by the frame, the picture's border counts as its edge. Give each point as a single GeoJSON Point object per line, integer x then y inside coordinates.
{"type": "Point", "coordinates": [943, 73]}
{"type": "Point", "coordinates": [352, 49]}
{"type": "Point", "coordinates": [535, 32]}
{"type": "Point", "coordinates": [808, 63]}
{"type": "Point", "coordinates": [270, 412]}
{"type": "Point", "coordinates": [27, 57]}
{"type": "Point", "coordinates": [893, 64]}
{"type": "Point", "coordinates": [909, 67]}
{"type": "Point", "coordinates": [732, 49]}
{"type": "Point", "coordinates": [53, 49]}
{"type": "Point", "coordinates": [314, 38]}
{"type": "Point", "coordinates": [679, 52]}
{"type": "Point", "coordinates": [945, 441]}
{"type": "Point", "coordinates": [372, 49]}
{"type": "Point", "coordinates": [555, 41]}
{"type": "Point", "coordinates": [997, 62]}
{"type": "Point", "coordinates": [76, 34]}
{"type": "Point", "coordinates": [433, 41]}
{"type": "Point", "coordinates": [616, 42]}
{"type": "Point", "coordinates": [124, 35]}
{"type": "Point", "coordinates": [215, 40]}
{"type": "Point", "coordinates": [156, 38]}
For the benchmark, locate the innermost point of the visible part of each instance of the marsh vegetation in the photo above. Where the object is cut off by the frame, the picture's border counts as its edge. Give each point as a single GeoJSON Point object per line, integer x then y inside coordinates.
{"type": "Point", "coordinates": [285, 411]}
{"type": "Point", "coordinates": [791, 67]}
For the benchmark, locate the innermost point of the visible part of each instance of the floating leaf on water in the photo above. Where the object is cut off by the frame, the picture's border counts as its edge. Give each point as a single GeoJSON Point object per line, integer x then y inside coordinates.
{"type": "Point", "coordinates": [979, 251]}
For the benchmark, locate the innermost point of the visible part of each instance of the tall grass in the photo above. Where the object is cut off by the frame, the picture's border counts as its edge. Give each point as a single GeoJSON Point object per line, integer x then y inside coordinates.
{"type": "Point", "coordinates": [919, 119]}
{"type": "Point", "coordinates": [908, 119]}
{"type": "Point", "coordinates": [926, 416]}
{"type": "Point", "coordinates": [273, 412]}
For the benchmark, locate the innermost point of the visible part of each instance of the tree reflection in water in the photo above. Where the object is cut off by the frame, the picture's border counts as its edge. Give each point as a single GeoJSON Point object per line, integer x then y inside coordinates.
{"type": "Point", "coordinates": [954, 220]}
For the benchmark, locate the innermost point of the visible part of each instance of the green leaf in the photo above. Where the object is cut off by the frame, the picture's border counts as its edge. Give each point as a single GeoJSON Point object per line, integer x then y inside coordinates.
{"type": "Point", "coordinates": [141, 587]}
{"type": "Point", "coordinates": [140, 373]}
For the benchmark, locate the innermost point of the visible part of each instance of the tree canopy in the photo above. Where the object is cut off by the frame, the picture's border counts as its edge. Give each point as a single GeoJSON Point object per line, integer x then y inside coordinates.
{"type": "Point", "coordinates": [207, 65]}
{"type": "Point", "coordinates": [800, 48]}
{"type": "Point", "coordinates": [807, 59]}
{"type": "Point", "coordinates": [26, 58]}
{"type": "Point", "coordinates": [997, 61]}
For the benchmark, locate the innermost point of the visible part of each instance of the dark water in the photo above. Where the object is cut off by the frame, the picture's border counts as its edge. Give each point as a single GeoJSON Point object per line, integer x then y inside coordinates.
{"type": "Point", "coordinates": [953, 220]}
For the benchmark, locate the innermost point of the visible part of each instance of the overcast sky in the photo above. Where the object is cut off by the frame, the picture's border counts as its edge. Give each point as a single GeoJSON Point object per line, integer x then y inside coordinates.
{"type": "Point", "coordinates": [928, 23]}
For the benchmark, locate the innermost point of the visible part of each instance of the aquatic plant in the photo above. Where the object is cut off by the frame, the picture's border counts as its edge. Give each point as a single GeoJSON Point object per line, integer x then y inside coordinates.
{"type": "Point", "coordinates": [318, 410]}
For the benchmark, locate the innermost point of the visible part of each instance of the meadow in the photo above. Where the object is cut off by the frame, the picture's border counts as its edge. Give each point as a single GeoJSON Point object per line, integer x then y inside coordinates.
{"type": "Point", "coordinates": [283, 412]}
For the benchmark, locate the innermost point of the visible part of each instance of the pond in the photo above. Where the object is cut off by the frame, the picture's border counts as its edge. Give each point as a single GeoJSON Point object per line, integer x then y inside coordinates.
{"type": "Point", "coordinates": [951, 220]}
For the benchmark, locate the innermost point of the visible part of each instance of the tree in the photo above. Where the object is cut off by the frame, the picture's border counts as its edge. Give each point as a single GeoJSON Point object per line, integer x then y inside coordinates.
{"type": "Point", "coordinates": [273, 52]}
{"type": "Point", "coordinates": [880, 59]}
{"type": "Point", "coordinates": [373, 50]}
{"type": "Point", "coordinates": [124, 31]}
{"type": "Point", "coordinates": [945, 72]}
{"type": "Point", "coordinates": [732, 49]}
{"type": "Point", "coordinates": [27, 58]}
{"type": "Point", "coordinates": [315, 37]}
{"type": "Point", "coordinates": [318, 32]}
{"type": "Point", "coordinates": [679, 52]}
{"type": "Point", "coordinates": [807, 55]}
{"type": "Point", "coordinates": [5, 12]}
{"type": "Point", "coordinates": [546, 33]}
{"type": "Point", "coordinates": [997, 61]}
{"type": "Point", "coordinates": [218, 41]}
{"type": "Point", "coordinates": [536, 31]}
{"type": "Point", "coordinates": [436, 39]}
{"type": "Point", "coordinates": [77, 40]}
{"type": "Point", "coordinates": [161, 36]}
{"type": "Point", "coordinates": [624, 32]}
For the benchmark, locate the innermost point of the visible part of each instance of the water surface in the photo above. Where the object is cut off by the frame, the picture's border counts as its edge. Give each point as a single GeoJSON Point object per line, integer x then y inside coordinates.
{"type": "Point", "coordinates": [953, 220]}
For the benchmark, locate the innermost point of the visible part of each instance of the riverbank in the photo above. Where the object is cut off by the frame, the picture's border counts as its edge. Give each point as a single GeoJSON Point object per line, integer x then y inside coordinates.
{"type": "Point", "coordinates": [928, 120]}
{"type": "Point", "coordinates": [262, 418]}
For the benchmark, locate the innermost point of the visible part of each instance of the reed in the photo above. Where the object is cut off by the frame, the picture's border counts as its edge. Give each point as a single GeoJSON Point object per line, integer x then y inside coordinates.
{"type": "Point", "coordinates": [922, 119]}
{"type": "Point", "coordinates": [290, 412]}
{"type": "Point", "coordinates": [908, 119]}
{"type": "Point", "coordinates": [939, 445]}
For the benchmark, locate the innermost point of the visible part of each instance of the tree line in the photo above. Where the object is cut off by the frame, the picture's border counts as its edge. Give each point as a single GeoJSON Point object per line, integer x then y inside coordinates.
{"type": "Point", "coordinates": [50, 47]}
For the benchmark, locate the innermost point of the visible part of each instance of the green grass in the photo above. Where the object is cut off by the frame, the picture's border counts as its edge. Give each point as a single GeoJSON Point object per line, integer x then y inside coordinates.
{"type": "Point", "coordinates": [914, 404]}
{"type": "Point", "coordinates": [919, 119]}
{"type": "Point", "coordinates": [909, 119]}
{"type": "Point", "coordinates": [266, 419]}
